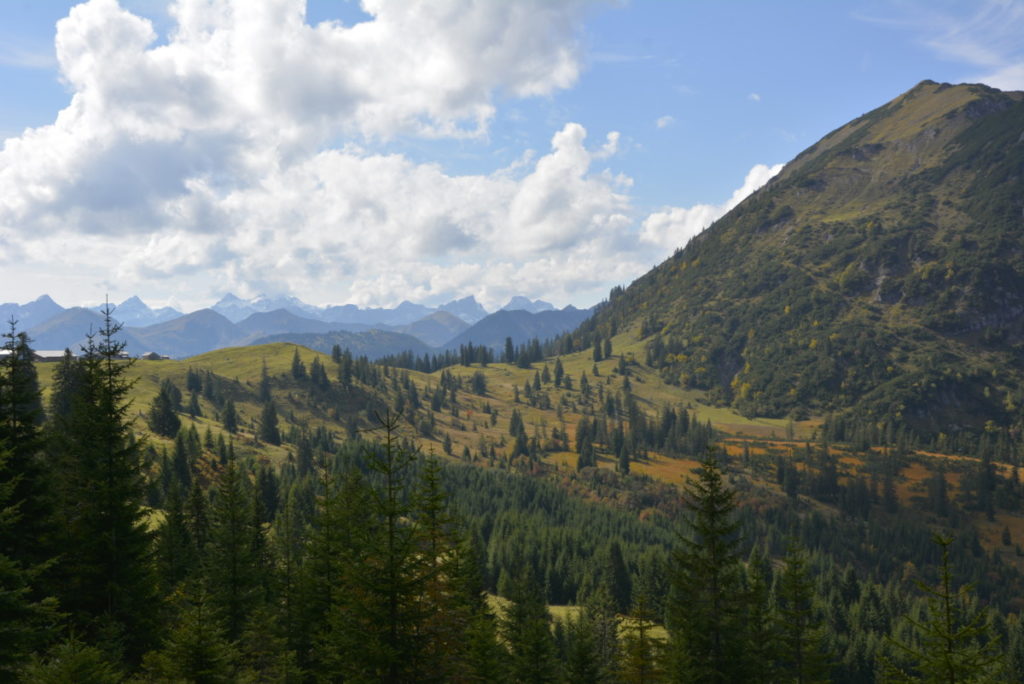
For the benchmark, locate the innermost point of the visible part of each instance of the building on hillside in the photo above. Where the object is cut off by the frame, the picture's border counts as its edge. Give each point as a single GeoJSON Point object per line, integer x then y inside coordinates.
{"type": "Point", "coordinates": [50, 355]}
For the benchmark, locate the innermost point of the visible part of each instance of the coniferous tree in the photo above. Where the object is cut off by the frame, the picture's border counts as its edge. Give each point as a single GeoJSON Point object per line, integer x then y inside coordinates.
{"type": "Point", "coordinates": [231, 555]}
{"type": "Point", "coordinates": [326, 583]}
{"type": "Point", "coordinates": [298, 367]}
{"type": "Point", "coordinates": [25, 623]}
{"type": "Point", "coordinates": [21, 418]}
{"type": "Point", "coordinates": [641, 649]}
{"type": "Point", "coordinates": [804, 658]}
{"type": "Point", "coordinates": [581, 661]}
{"type": "Point", "coordinates": [387, 615]}
{"type": "Point", "coordinates": [264, 387]}
{"type": "Point", "coordinates": [706, 626]}
{"type": "Point", "coordinates": [176, 553]}
{"type": "Point", "coordinates": [269, 431]}
{"type": "Point", "coordinates": [161, 418]}
{"type": "Point", "coordinates": [229, 417]}
{"type": "Point", "coordinates": [761, 621]}
{"type": "Point", "coordinates": [525, 629]}
{"type": "Point", "coordinates": [197, 648]}
{"type": "Point", "coordinates": [953, 640]}
{"type": "Point", "coordinates": [108, 583]}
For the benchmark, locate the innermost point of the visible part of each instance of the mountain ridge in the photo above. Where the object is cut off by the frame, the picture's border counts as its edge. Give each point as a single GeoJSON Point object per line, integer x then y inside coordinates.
{"type": "Point", "coordinates": [881, 272]}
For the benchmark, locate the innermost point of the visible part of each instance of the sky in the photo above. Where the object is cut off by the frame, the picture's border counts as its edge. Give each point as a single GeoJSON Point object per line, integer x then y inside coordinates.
{"type": "Point", "coordinates": [374, 152]}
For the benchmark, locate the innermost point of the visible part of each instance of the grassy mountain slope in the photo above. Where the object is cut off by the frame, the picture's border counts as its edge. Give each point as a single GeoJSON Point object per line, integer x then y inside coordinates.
{"type": "Point", "coordinates": [881, 271]}
{"type": "Point", "coordinates": [473, 424]}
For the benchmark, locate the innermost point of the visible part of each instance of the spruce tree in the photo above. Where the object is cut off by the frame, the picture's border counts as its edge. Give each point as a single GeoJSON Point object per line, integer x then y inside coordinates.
{"type": "Point", "coordinates": [706, 626]}
{"type": "Point", "coordinates": [108, 583]}
{"type": "Point", "coordinates": [269, 432]}
{"type": "Point", "coordinates": [229, 417]}
{"type": "Point", "coordinates": [21, 417]}
{"type": "Point", "coordinates": [231, 558]}
{"type": "Point", "coordinates": [641, 649]}
{"type": "Point", "coordinates": [953, 641]}
{"type": "Point", "coordinates": [525, 629]}
{"type": "Point", "coordinates": [197, 648]}
{"type": "Point", "coordinates": [162, 419]}
{"type": "Point", "coordinates": [25, 624]}
{"type": "Point", "coordinates": [176, 553]}
{"type": "Point", "coordinates": [803, 653]}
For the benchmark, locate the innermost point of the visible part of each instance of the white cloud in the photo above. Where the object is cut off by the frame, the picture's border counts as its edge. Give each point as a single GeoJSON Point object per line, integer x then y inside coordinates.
{"type": "Point", "coordinates": [674, 226]}
{"type": "Point", "coordinates": [754, 97]}
{"type": "Point", "coordinates": [242, 154]}
{"type": "Point", "coordinates": [665, 121]}
{"type": "Point", "coordinates": [241, 87]}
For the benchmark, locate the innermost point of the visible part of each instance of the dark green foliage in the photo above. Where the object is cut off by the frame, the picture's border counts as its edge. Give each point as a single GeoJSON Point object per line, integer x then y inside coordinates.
{"type": "Point", "coordinates": [107, 583]}
{"type": "Point", "coordinates": [229, 417]}
{"type": "Point", "coordinates": [197, 648]}
{"type": "Point", "coordinates": [952, 642]}
{"type": "Point", "coordinates": [641, 650]}
{"type": "Point", "coordinates": [232, 556]}
{"type": "Point", "coordinates": [162, 418]}
{"type": "Point", "coordinates": [25, 624]}
{"type": "Point", "coordinates": [269, 431]}
{"type": "Point", "coordinates": [176, 553]}
{"type": "Point", "coordinates": [706, 617]}
{"type": "Point", "coordinates": [21, 437]}
{"type": "Point", "coordinates": [526, 631]}
{"type": "Point", "coordinates": [802, 647]}
{"type": "Point", "coordinates": [73, 661]}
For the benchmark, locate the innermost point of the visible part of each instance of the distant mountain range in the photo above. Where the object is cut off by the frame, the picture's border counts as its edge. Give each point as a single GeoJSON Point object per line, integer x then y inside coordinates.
{"type": "Point", "coordinates": [233, 321]}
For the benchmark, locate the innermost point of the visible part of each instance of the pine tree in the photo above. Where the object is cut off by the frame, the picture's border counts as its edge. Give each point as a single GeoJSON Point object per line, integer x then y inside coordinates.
{"type": "Point", "coordinates": [387, 615]}
{"type": "Point", "coordinates": [761, 620]}
{"type": "Point", "coordinates": [298, 367]}
{"type": "Point", "coordinates": [108, 582]}
{"type": "Point", "coordinates": [706, 628]}
{"type": "Point", "coordinates": [269, 432]}
{"type": "Point", "coordinates": [161, 418]}
{"type": "Point", "coordinates": [804, 657]}
{"type": "Point", "coordinates": [176, 554]}
{"type": "Point", "coordinates": [229, 417]}
{"type": "Point", "coordinates": [641, 649]}
{"type": "Point", "coordinates": [197, 648]}
{"type": "Point", "coordinates": [231, 559]}
{"type": "Point", "coordinates": [25, 624]}
{"type": "Point", "coordinates": [525, 629]}
{"type": "Point", "coordinates": [955, 644]}
{"type": "Point", "coordinates": [21, 417]}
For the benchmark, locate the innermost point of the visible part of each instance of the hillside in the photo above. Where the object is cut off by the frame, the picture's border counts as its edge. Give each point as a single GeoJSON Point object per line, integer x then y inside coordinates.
{"type": "Point", "coordinates": [632, 421]}
{"type": "Point", "coordinates": [882, 272]}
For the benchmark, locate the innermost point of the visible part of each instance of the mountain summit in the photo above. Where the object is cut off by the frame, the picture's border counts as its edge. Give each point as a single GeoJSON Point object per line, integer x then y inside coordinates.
{"type": "Point", "coordinates": [882, 271]}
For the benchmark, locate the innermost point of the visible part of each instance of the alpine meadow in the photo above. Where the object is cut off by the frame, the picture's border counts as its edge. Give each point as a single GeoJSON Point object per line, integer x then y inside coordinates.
{"type": "Point", "coordinates": [788, 452]}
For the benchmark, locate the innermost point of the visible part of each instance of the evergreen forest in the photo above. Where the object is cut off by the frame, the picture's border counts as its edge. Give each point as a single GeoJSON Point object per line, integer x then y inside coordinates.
{"type": "Point", "coordinates": [379, 543]}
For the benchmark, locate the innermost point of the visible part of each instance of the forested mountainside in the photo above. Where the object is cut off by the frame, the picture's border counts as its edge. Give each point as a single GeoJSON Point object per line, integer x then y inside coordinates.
{"type": "Point", "coordinates": [881, 272]}
{"type": "Point", "coordinates": [523, 517]}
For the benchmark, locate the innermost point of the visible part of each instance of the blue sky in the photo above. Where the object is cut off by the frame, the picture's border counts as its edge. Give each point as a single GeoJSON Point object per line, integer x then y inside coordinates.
{"type": "Point", "coordinates": [553, 149]}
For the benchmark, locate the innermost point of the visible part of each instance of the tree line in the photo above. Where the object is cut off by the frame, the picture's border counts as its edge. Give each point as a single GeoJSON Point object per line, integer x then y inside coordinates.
{"type": "Point", "coordinates": [367, 561]}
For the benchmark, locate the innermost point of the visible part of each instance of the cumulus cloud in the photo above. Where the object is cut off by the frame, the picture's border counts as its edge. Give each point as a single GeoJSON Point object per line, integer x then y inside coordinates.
{"type": "Point", "coordinates": [241, 152]}
{"type": "Point", "coordinates": [673, 227]}
{"type": "Point", "coordinates": [754, 97]}
{"type": "Point", "coordinates": [665, 121]}
{"type": "Point", "coordinates": [240, 87]}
